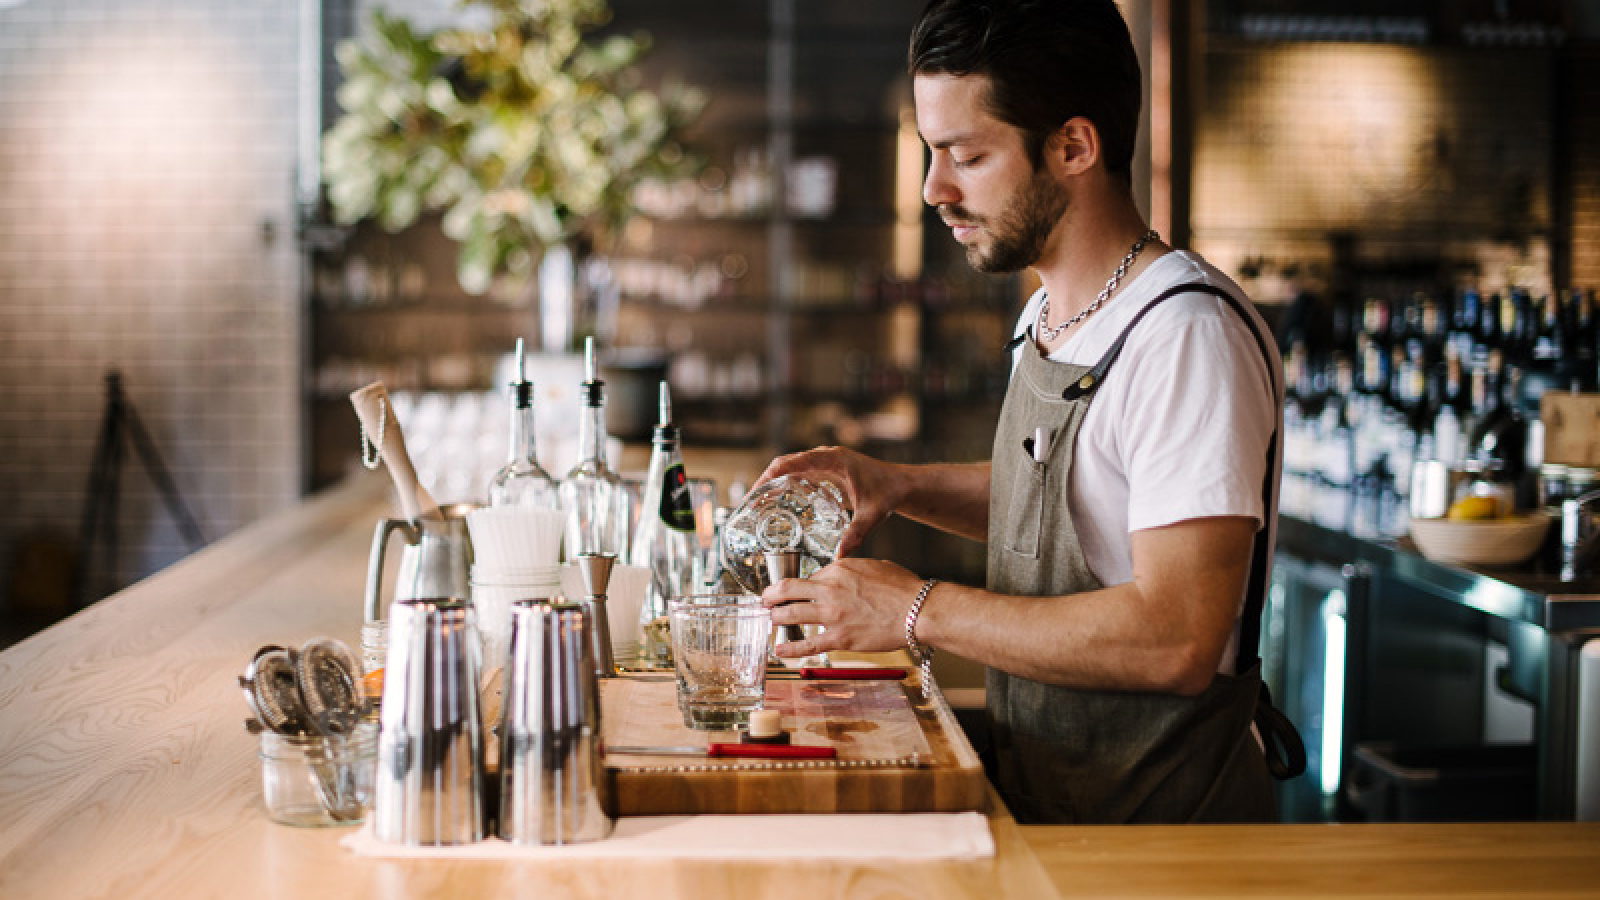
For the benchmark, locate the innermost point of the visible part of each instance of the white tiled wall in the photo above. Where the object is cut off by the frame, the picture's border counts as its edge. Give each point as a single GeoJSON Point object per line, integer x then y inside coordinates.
{"type": "Point", "coordinates": [147, 225]}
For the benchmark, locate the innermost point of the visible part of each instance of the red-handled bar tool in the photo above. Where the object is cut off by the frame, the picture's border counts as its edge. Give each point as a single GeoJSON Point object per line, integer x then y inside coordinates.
{"type": "Point", "coordinates": [852, 674]}
{"type": "Point", "coordinates": [722, 750]}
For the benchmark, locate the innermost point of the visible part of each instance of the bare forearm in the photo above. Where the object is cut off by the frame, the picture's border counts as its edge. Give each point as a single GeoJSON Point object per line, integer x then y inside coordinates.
{"type": "Point", "coordinates": [952, 497]}
{"type": "Point", "coordinates": [1089, 641]}
{"type": "Point", "coordinates": [1163, 631]}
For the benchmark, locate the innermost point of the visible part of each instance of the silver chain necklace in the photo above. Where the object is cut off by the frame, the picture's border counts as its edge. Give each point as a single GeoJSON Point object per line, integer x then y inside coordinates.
{"type": "Point", "coordinates": [1046, 335]}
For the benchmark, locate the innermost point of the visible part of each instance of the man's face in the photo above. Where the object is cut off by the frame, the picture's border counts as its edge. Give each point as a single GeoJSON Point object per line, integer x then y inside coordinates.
{"type": "Point", "coordinates": [981, 179]}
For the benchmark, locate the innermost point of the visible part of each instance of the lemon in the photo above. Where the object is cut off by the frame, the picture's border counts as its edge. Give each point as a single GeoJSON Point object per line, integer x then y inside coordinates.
{"type": "Point", "coordinates": [1472, 509]}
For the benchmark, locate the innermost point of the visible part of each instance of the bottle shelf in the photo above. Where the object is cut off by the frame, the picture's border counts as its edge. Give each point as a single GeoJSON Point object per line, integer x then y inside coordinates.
{"type": "Point", "coordinates": [440, 306]}
{"type": "Point", "coordinates": [832, 220]}
{"type": "Point", "coordinates": [701, 274]}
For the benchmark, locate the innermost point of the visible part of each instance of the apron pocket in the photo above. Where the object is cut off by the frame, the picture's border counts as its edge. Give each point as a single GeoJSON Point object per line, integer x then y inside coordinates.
{"type": "Point", "coordinates": [1026, 510]}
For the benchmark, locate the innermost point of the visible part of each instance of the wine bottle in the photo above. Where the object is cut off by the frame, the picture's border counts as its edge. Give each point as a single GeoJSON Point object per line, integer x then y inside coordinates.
{"type": "Point", "coordinates": [1451, 410]}
{"type": "Point", "coordinates": [522, 481]}
{"type": "Point", "coordinates": [1497, 440]}
{"type": "Point", "coordinates": [1375, 320]}
{"type": "Point", "coordinates": [1580, 340]}
{"type": "Point", "coordinates": [1489, 334]}
{"type": "Point", "coordinates": [1433, 329]}
{"type": "Point", "coordinates": [665, 542]}
{"type": "Point", "coordinates": [1520, 321]}
{"type": "Point", "coordinates": [1464, 322]}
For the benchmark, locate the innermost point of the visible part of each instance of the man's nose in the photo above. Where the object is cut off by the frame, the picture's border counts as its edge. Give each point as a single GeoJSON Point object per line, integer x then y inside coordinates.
{"type": "Point", "coordinates": [937, 189]}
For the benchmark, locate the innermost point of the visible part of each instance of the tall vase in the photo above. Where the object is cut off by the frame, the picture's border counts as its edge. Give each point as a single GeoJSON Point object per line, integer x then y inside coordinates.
{"type": "Point", "coordinates": [558, 298]}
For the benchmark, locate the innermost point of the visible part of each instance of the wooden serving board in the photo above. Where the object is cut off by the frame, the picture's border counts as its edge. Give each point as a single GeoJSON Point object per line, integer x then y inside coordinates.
{"type": "Point", "coordinates": [897, 753]}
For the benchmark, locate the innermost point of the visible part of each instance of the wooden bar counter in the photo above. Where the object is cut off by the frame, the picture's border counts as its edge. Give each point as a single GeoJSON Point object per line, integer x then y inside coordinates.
{"type": "Point", "coordinates": [125, 773]}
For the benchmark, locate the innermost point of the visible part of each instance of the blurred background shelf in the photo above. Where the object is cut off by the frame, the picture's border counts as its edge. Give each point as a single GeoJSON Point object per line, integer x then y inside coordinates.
{"type": "Point", "coordinates": [790, 295]}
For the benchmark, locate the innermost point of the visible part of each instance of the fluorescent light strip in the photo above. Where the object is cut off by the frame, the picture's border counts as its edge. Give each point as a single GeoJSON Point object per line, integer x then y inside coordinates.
{"type": "Point", "coordinates": [1332, 689]}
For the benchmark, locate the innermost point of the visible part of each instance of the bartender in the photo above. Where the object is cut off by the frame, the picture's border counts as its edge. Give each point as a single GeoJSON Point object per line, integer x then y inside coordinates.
{"type": "Point", "coordinates": [1128, 504]}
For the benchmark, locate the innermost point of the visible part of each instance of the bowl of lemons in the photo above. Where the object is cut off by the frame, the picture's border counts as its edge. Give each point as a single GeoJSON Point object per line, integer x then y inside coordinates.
{"type": "Point", "coordinates": [1475, 532]}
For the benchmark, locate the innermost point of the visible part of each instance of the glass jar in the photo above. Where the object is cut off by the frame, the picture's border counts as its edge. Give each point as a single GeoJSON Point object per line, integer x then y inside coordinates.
{"type": "Point", "coordinates": [1581, 480]}
{"type": "Point", "coordinates": [374, 645]}
{"type": "Point", "coordinates": [318, 780]}
{"type": "Point", "coordinates": [1553, 485]}
{"type": "Point", "coordinates": [374, 650]}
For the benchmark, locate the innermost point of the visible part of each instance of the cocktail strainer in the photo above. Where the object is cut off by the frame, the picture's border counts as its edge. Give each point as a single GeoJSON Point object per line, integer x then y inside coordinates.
{"type": "Point", "coordinates": [330, 686]}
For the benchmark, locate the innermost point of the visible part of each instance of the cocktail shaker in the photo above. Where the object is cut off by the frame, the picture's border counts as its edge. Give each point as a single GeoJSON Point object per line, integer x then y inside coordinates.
{"type": "Point", "coordinates": [553, 788]}
{"type": "Point", "coordinates": [429, 789]}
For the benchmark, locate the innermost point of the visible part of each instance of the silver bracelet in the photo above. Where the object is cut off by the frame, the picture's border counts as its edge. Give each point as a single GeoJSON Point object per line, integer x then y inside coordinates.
{"type": "Point", "coordinates": [921, 655]}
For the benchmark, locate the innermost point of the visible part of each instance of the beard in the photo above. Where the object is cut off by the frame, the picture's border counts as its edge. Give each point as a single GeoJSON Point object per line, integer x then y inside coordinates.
{"type": "Point", "coordinates": [1019, 233]}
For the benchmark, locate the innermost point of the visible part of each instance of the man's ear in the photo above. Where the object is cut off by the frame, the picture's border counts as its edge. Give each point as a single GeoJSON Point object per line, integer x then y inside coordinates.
{"type": "Point", "coordinates": [1074, 148]}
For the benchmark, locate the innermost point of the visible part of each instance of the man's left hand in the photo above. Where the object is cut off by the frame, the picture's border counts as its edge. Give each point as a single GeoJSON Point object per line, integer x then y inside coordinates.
{"type": "Point", "coordinates": [861, 604]}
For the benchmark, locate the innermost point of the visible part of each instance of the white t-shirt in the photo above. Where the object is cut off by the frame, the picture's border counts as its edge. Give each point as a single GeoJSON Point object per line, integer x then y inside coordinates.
{"type": "Point", "coordinates": [1179, 428]}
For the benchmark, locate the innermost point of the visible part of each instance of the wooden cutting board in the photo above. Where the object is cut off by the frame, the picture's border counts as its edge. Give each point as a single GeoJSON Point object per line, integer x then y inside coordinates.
{"type": "Point", "coordinates": [897, 753]}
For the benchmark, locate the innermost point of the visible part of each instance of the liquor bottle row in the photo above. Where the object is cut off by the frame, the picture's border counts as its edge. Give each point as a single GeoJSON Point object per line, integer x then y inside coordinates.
{"type": "Point", "coordinates": [1455, 377]}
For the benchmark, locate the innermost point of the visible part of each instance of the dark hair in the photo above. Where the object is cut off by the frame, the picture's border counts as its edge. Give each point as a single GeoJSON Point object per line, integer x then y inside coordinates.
{"type": "Point", "coordinates": [1047, 61]}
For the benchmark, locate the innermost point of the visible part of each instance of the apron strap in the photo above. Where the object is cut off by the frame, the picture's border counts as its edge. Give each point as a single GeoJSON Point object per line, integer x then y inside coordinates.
{"type": "Point", "coordinates": [1286, 753]}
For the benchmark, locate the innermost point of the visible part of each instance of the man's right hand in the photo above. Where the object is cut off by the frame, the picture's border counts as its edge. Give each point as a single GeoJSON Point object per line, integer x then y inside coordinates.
{"type": "Point", "coordinates": [872, 488]}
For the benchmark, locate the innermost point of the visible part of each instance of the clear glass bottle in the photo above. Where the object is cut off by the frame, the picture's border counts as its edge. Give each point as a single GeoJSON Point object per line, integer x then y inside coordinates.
{"type": "Point", "coordinates": [790, 512]}
{"type": "Point", "coordinates": [522, 481]}
{"type": "Point", "coordinates": [595, 500]}
{"type": "Point", "coordinates": [666, 542]}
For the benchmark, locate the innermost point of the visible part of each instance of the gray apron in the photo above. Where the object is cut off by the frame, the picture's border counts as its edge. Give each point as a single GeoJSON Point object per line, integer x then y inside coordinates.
{"type": "Point", "coordinates": [1074, 756]}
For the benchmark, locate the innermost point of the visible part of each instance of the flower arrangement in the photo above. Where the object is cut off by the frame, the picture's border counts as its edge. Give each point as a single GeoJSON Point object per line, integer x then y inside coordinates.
{"type": "Point", "coordinates": [524, 131]}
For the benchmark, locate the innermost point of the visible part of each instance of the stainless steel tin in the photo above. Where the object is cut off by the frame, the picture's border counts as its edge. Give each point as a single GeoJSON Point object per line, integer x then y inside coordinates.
{"type": "Point", "coordinates": [553, 788]}
{"type": "Point", "coordinates": [429, 789]}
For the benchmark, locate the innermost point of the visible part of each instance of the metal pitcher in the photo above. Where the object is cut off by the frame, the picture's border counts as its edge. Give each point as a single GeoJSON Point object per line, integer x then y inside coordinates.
{"type": "Point", "coordinates": [435, 564]}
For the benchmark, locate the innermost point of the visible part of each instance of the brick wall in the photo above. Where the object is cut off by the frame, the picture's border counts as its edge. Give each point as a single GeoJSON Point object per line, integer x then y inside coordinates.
{"type": "Point", "coordinates": [1416, 152]}
{"type": "Point", "coordinates": [147, 225]}
{"type": "Point", "coordinates": [1583, 84]}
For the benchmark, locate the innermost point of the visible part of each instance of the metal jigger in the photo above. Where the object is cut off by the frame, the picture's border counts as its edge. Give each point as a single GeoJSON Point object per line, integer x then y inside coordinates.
{"type": "Point", "coordinates": [596, 571]}
{"type": "Point", "coordinates": [783, 564]}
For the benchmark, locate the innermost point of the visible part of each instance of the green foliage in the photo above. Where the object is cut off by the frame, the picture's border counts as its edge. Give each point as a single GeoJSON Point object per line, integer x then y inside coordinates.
{"type": "Point", "coordinates": [525, 132]}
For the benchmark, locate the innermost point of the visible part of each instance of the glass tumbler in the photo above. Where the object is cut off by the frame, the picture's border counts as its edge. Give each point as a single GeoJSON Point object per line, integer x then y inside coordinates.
{"type": "Point", "coordinates": [316, 779]}
{"type": "Point", "coordinates": [720, 644]}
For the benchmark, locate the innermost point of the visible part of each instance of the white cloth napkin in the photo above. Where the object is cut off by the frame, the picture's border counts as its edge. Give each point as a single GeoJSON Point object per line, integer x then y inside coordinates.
{"type": "Point", "coordinates": [960, 836]}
